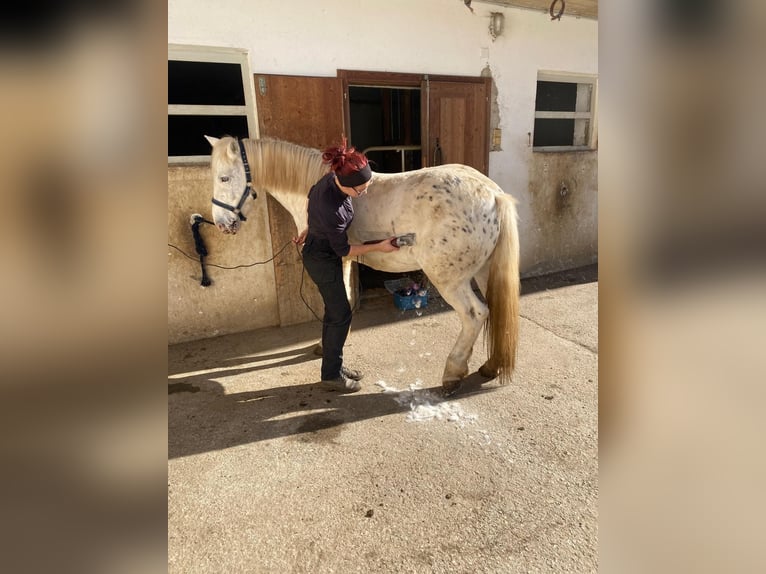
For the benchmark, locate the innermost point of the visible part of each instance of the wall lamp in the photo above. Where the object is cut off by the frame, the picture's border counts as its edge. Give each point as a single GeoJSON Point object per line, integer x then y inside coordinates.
{"type": "Point", "coordinates": [496, 23]}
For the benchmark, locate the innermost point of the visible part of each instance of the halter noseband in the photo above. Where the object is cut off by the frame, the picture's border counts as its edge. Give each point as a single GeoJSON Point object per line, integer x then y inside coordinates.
{"type": "Point", "coordinates": [247, 191]}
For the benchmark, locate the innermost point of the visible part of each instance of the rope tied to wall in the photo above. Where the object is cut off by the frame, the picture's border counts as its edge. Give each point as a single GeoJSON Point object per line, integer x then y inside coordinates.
{"type": "Point", "coordinates": [199, 245]}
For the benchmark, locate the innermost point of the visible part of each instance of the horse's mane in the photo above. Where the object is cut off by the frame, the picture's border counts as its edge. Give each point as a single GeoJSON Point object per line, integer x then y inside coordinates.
{"type": "Point", "coordinates": [276, 165]}
{"type": "Point", "coordinates": [284, 166]}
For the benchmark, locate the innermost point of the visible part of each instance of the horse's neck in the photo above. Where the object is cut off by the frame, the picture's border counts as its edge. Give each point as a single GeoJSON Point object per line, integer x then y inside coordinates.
{"type": "Point", "coordinates": [294, 202]}
{"type": "Point", "coordinates": [287, 177]}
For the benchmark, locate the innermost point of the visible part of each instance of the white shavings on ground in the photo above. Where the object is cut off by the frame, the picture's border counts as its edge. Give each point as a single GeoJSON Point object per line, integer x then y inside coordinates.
{"type": "Point", "coordinates": [485, 439]}
{"type": "Point", "coordinates": [426, 406]}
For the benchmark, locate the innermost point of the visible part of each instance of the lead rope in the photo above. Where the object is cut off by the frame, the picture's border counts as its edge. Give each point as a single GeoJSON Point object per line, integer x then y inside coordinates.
{"type": "Point", "coordinates": [199, 245]}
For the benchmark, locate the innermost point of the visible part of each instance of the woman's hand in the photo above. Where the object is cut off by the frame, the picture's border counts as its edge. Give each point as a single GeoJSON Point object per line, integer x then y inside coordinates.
{"type": "Point", "coordinates": [384, 246]}
{"type": "Point", "coordinates": [387, 245]}
{"type": "Point", "coordinates": [301, 239]}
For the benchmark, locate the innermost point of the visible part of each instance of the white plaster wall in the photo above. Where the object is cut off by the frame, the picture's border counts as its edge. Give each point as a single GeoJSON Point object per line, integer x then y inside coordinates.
{"type": "Point", "coordinates": [532, 42]}
{"type": "Point", "coordinates": [312, 37]}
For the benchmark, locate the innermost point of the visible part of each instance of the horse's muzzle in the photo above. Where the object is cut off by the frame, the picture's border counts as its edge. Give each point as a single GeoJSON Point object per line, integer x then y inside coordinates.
{"type": "Point", "coordinates": [229, 229]}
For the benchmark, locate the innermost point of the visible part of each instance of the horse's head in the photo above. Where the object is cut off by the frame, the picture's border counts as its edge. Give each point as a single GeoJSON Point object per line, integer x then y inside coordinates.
{"type": "Point", "coordinates": [230, 183]}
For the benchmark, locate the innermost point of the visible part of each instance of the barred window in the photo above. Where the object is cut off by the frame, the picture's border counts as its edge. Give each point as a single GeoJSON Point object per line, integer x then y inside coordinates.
{"type": "Point", "coordinates": [209, 93]}
{"type": "Point", "coordinates": [564, 112]}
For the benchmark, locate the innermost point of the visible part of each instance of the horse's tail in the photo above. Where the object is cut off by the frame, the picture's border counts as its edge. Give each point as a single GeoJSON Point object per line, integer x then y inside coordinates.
{"type": "Point", "coordinates": [503, 292]}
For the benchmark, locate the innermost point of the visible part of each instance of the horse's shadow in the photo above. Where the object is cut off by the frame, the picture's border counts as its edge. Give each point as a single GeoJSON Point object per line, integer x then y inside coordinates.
{"type": "Point", "coordinates": [208, 419]}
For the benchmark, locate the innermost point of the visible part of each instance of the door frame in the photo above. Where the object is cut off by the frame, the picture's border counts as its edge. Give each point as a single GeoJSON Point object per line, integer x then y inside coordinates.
{"type": "Point", "coordinates": [409, 80]}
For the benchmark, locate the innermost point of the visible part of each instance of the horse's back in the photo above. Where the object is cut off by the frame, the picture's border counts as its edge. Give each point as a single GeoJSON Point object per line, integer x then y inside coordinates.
{"type": "Point", "coordinates": [451, 209]}
{"type": "Point", "coordinates": [449, 176]}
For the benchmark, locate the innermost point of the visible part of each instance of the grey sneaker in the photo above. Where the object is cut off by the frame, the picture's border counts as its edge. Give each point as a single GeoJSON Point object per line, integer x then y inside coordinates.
{"type": "Point", "coordinates": [342, 384]}
{"type": "Point", "coordinates": [352, 373]}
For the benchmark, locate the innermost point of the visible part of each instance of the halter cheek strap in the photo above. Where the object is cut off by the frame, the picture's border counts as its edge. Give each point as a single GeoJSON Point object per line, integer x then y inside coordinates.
{"type": "Point", "coordinates": [245, 193]}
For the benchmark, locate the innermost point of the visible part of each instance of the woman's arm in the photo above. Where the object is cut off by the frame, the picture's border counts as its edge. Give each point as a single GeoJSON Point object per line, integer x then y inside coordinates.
{"type": "Point", "coordinates": [384, 246]}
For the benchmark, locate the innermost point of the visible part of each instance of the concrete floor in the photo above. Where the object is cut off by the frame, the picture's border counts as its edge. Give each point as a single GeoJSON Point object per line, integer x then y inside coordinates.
{"type": "Point", "coordinates": [268, 472]}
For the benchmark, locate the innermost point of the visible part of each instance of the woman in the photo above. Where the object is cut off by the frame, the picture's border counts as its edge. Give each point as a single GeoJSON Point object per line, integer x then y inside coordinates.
{"type": "Point", "coordinates": [325, 243]}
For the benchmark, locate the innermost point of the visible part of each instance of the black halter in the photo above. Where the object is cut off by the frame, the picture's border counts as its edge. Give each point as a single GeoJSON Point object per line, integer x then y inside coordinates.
{"type": "Point", "coordinates": [247, 191]}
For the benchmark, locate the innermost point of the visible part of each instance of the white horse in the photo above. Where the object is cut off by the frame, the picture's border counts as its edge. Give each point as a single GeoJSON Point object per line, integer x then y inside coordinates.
{"type": "Point", "coordinates": [465, 228]}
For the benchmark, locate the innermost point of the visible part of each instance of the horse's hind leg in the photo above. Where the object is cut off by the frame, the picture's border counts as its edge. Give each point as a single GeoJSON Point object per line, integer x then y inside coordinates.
{"type": "Point", "coordinates": [472, 313]}
{"type": "Point", "coordinates": [482, 278]}
{"type": "Point", "coordinates": [489, 369]}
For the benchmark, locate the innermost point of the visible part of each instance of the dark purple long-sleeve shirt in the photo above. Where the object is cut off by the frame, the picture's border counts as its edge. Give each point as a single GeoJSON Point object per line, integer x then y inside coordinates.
{"type": "Point", "coordinates": [330, 213]}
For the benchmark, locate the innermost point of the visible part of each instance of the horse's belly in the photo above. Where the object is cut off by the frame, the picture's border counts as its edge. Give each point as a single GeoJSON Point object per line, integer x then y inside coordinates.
{"type": "Point", "coordinates": [395, 262]}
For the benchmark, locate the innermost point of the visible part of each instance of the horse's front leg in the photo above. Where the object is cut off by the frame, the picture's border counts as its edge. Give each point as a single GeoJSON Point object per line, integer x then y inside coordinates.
{"type": "Point", "coordinates": [347, 280]}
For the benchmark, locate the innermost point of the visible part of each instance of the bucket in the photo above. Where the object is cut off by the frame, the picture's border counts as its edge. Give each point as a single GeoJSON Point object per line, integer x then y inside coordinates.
{"type": "Point", "coordinates": [405, 296]}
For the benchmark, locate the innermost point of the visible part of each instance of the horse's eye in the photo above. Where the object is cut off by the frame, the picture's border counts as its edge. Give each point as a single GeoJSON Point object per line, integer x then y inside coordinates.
{"type": "Point", "coordinates": [224, 178]}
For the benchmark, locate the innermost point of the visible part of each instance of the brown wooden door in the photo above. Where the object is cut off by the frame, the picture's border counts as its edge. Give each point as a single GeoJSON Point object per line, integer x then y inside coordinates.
{"type": "Point", "coordinates": [307, 111]}
{"type": "Point", "coordinates": [456, 122]}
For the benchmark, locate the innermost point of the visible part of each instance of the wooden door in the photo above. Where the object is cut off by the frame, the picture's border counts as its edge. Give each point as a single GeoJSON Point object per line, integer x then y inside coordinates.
{"type": "Point", "coordinates": [454, 109]}
{"type": "Point", "coordinates": [456, 122]}
{"type": "Point", "coordinates": [307, 111]}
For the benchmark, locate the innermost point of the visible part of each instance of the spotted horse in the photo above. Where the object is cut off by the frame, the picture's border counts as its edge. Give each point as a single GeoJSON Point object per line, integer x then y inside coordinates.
{"type": "Point", "coordinates": [465, 225]}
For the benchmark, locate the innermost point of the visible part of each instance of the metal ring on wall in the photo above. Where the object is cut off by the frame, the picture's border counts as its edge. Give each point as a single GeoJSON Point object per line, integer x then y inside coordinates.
{"type": "Point", "coordinates": [560, 13]}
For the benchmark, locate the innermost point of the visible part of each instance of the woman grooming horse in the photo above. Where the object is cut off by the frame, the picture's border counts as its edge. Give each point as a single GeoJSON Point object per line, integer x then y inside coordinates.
{"type": "Point", "coordinates": [325, 243]}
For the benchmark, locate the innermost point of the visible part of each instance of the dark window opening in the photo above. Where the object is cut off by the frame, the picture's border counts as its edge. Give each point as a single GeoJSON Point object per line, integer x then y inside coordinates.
{"type": "Point", "coordinates": [186, 133]}
{"type": "Point", "coordinates": [563, 112]}
{"type": "Point", "coordinates": [205, 83]}
{"type": "Point", "coordinates": [554, 132]}
{"type": "Point", "coordinates": [556, 97]}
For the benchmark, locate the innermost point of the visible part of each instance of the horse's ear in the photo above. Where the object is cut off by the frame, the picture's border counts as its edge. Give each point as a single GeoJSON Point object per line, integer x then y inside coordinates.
{"type": "Point", "coordinates": [233, 150]}
{"type": "Point", "coordinates": [211, 140]}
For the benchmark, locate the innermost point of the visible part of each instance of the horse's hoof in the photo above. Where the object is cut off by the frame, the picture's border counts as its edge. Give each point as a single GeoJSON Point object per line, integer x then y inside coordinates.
{"type": "Point", "coordinates": [318, 350]}
{"type": "Point", "coordinates": [449, 388]}
{"type": "Point", "coordinates": [488, 372]}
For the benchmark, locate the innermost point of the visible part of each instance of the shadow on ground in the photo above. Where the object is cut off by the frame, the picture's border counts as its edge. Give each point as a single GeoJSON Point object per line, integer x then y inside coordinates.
{"type": "Point", "coordinates": [212, 420]}
{"type": "Point", "coordinates": [587, 274]}
{"type": "Point", "coordinates": [203, 416]}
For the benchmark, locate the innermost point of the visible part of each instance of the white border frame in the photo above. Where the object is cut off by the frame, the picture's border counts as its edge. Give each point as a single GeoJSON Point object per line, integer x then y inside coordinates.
{"type": "Point", "coordinates": [188, 53]}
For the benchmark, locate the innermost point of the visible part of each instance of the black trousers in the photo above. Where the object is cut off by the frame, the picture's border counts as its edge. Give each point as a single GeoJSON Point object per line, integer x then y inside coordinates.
{"type": "Point", "coordinates": [326, 270]}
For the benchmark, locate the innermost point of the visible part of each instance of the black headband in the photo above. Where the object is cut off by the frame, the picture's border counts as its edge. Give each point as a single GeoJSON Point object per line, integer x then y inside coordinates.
{"type": "Point", "coordinates": [356, 178]}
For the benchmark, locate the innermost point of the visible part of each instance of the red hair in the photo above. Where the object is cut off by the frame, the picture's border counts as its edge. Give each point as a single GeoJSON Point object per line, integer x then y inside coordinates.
{"type": "Point", "coordinates": [344, 160]}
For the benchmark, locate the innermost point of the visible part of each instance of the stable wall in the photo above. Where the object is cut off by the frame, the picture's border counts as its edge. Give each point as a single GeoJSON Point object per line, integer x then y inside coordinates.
{"type": "Point", "coordinates": [305, 37]}
{"type": "Point", "coordinates": [239, 299]}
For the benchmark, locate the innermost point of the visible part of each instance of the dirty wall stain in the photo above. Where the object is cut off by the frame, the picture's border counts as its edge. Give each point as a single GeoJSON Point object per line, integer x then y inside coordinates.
{"type": "Point", "coordinates": [563, 191]}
